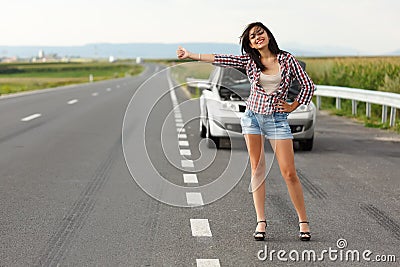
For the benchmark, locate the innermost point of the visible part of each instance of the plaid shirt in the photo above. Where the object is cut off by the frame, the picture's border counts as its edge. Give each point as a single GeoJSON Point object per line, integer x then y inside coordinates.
{"type": "Point", "coordinates": [259, 101]}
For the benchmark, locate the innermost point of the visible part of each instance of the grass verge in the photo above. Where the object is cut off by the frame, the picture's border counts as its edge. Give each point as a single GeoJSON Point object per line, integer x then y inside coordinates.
{"type": "Point", "coordinates": [21, 77]}
{"type": "Point", "coordinates": [180, 72]}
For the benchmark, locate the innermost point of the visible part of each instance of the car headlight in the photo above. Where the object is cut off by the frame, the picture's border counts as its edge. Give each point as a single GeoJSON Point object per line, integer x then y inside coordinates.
{"type": "Point", "coordinates": [304, 108]}
{"type": "Point", "coordinates": [229, 106]}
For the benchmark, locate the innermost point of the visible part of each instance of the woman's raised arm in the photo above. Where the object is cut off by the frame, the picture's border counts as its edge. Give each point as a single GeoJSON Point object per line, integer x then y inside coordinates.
{"type": "Point", "coordinates": [182, 53]}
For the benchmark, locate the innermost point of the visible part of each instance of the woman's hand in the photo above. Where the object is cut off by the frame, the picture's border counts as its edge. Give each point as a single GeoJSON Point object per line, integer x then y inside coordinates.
{"type": "Point", "coordinates": [182, 53]}
{"type": "Point", "coordinates": [284, 106]}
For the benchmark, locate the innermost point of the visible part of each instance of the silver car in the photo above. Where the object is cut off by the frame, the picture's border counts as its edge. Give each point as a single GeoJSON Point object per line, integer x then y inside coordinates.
{"type": "Point", "coordinates": [222, 104]}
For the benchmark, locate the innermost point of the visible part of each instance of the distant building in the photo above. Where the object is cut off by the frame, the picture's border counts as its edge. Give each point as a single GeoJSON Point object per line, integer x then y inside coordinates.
{"type": "Point", "coordinates": [8, 59]}
{"type": "Point", "coordinates": [41, 54]}
{"type": "Point", "coordinates": [41, 57]}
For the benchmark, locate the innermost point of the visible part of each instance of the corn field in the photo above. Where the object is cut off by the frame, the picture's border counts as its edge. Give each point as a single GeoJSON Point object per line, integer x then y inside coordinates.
{"type": "Point", "coordinates": [373, 73]}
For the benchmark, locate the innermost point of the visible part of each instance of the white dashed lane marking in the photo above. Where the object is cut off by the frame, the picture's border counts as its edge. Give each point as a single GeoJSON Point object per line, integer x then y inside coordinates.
{"type": "Point", "coordinates": [183, 143]}
{"type": "Point", "coordinates": [95, 94]}
{"type": "Point", "coordinates": [73, 101]}
{"type": "Point", "coordinates": [31, 117]}
{"type": "Point", "coordinates": [182, 136]}
{"type": "Point", "coordinates": [190, 178]}
{"type": "Point", "coordinates": [194, 199]}
{"type": "Point", "coordinates": [187, 163]}
{"type": "Point", "coordinates": [185, 152]}
{"type": "Point", "coordinates": [200, 227]}
{"type": "Point", "coordinates": [207, 263]}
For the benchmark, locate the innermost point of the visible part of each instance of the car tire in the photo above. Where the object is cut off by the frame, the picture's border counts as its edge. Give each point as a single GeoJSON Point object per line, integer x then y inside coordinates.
{"type": "Point", "coordinates": [212, 141]}
{"type": "Point", "coordinates": [307, 145]}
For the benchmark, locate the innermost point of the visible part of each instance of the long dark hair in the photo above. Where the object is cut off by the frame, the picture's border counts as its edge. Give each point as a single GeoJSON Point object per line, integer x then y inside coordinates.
{"type": "Point", "coordinates": [252, 52]}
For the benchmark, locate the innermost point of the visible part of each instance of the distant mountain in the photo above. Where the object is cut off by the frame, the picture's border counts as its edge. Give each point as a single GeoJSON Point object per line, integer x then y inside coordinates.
{"type": "Point", "coordinates": [315, 51]}
{"type": "Point", "coordinates": [395, 53]}
{"type": "Point", "coordinates": [133, 50]}
{"type": "Point", "coordinates": [160, 50]}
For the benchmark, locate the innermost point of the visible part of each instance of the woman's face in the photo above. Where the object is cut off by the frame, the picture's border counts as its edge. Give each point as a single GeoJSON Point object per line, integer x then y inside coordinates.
{"type": "Point", "coordinates": [258, 38]}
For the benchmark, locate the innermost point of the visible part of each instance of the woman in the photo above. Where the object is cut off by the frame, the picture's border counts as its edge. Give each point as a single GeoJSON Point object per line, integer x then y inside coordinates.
{"type": "Point", "coordinates": [270, 71]}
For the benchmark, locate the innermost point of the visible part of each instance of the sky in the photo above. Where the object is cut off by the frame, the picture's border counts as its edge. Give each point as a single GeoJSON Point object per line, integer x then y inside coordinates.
{"type": "Point", "coordinates": [369, 26]}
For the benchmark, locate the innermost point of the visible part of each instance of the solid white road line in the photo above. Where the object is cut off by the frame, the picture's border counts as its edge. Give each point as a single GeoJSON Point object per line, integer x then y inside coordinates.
{"type": "Point", "coordinates": [31, 117]}
{"type": "Point", "coordinates": [187, 163]}
{"type": "Point", "coordinates": [183, 143]}
{"type": "Point", "coordinates": [173, 95]}
{"type": "Point", "coordinates": [200, 227]}
{"type": "Point", "coordinates": [185, 152]}
{"type": "Point", "coordinates": [73, 101]}
{"type": "Point", "coordinates": [190, 178]}
{"type": "Point", "coordinates": [194, 199]}
{"type": "Point", "coordinates": [207, 263]}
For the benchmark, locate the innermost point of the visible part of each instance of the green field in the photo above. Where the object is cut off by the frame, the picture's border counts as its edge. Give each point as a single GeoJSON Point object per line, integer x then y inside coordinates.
{"type": "Point", "coordinates": [372, 73]}
{"type": "Point", "coordinates": [31, 76]}
{"type": "Point", "coordinates": [193, 69]}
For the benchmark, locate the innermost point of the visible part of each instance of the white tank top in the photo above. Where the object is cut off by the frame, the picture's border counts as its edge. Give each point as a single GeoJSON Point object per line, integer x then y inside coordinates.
{"type": "Point", "coordinates": [270, 83]}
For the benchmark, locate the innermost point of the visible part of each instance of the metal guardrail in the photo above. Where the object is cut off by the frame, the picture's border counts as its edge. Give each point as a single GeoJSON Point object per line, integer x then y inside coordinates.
{"type": "Point", "coordinates": [385, 99]}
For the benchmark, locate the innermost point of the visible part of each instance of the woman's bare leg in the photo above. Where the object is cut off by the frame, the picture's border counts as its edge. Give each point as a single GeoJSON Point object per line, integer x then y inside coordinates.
{"type": "Point", "coordinates": [255, 147]}
{"type": "Point", "coordinates": [285, 156]}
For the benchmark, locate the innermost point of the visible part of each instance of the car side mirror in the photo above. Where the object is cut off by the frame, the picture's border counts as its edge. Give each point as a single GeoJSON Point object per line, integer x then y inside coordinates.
{"type": "Point", "coordinates": [199, 83]}
{"type": "Point", "coordinates": [204, 85]}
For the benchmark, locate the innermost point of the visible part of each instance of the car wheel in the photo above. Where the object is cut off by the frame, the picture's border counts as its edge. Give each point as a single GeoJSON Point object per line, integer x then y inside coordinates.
{"type": "Point", "coordinates": [307, 145]}
{"type": "Point", "coordinates": [212, 141]}
{"type": "Point", "coordinates": [203, 130]}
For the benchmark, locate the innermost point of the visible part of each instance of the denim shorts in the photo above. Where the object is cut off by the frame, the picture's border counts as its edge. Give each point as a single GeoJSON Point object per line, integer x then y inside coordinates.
{"type": "Point", "coordinates": [273, 126]}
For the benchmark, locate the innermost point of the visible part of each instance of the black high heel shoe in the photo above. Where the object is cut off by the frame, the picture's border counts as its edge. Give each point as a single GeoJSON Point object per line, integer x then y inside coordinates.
{"type": "Point", "coordinates": [260, 236]}
{"type": "Point", "coordinates": [304, 236]}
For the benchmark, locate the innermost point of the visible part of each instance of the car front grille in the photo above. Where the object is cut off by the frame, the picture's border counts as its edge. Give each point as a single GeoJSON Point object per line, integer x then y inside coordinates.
{"type": "Point", "coordinates": [233, 127]}
{"type": "Point", "coordinates": [242, 108]}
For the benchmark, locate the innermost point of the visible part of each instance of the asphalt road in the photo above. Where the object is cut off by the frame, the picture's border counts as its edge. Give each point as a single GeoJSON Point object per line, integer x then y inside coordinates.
{"type": "Point", "coordinates": [101, 175]}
